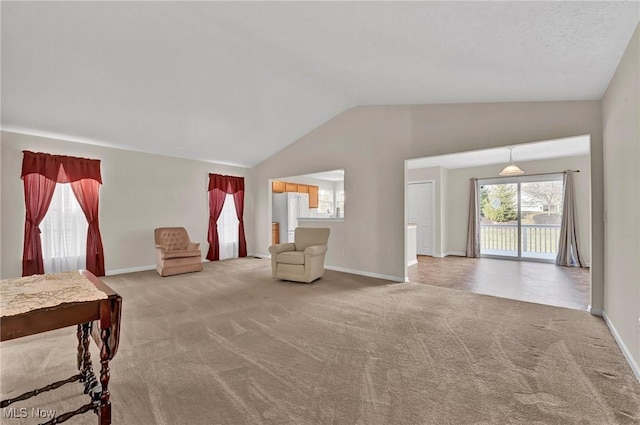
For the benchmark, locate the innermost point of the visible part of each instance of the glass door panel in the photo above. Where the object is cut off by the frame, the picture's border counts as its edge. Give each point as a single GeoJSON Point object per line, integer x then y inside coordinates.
{"type": "Point", "coordinates": [541, 212]}
{"type": "Point", "coordinates": [499, 220]}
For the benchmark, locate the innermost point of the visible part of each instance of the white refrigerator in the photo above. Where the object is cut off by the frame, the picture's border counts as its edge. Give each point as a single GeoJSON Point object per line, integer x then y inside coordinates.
{"type": "Point", "coordinates": [286, 208]}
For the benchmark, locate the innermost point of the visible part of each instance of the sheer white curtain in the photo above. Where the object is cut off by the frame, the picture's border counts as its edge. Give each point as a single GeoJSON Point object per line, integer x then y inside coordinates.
{"type": "Point", "coordinates": [64, 233]}
{"type": "Point", "coordinates": [228, 232]}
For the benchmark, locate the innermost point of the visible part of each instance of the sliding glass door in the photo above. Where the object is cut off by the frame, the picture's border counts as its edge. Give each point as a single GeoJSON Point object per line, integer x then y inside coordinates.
{"type": "Point", "coordinates": [520, 217]}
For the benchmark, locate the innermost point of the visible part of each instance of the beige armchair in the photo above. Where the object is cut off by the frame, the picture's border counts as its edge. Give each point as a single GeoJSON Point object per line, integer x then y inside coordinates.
{"type": "Point", "coordinates": [175, 252]}
{"type": "Point", "coordinates": [303, 260]}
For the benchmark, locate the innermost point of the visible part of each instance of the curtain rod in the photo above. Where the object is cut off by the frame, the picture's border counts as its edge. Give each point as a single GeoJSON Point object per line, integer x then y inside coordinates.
{"type": "Point", "coordinates": [524, 175]}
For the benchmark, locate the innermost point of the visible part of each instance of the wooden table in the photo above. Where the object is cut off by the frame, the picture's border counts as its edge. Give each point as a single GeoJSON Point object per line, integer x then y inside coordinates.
{"type": "Point", "coordinates": [96, 316]}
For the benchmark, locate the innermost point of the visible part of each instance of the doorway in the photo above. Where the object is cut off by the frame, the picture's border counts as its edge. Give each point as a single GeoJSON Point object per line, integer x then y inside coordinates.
{"type": "Point", "coordinates": [451, 175]}
{"type": "Point", "coordinates": [520, 217]}
{"type": "Point", "coordinates": [420, 212]}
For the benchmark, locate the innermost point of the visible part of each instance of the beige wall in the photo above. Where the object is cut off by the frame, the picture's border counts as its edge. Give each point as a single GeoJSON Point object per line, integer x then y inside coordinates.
{"type": "Point", "coordinates": [355, 141]}
{"type": "Point", "coordinates": [457, 197]}
{"type": "Point", "coordinates": [1, 203]}
{"type": "Point", "coordinates": [371, 144]}
{"type": "Point", "coordinates": [621, 124]}
{"type": "Point", "coordinates": [139, 193]}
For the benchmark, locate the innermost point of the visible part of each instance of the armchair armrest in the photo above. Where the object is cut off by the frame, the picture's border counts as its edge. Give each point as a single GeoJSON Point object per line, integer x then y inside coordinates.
{"type": "Point", "coordinates": [162, 248]}
{"type": "Point", "coordinates": [315, 250]}
{"type": "Point", "coordinates": [282, 247]}
{"type": "Point", "coordinates": [193, 246]}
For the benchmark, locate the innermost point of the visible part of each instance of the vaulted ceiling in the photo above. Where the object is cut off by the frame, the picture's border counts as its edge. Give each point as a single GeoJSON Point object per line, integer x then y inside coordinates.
{"type": "Point", "coordinates": [235, 82]}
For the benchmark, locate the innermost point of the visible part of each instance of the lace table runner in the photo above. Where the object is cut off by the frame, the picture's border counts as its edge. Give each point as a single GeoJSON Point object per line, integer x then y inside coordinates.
{"type": "Point", "coordinates": [25, 294]}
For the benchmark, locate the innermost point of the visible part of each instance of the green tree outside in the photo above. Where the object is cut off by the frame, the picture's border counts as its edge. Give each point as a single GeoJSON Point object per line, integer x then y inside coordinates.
{"type": "Point", "coordinates": [499, 203]}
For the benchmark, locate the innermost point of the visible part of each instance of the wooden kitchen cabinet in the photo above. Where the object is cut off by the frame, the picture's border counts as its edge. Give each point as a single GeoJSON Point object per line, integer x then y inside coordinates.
{"type": "Point", "coordinates": [275, 233]}
{"type": "Point", "coordinates": [313, 196]}
{"type": "Point", "coordinates": [277, 187]}
{"type": "Point", "coordinates": [290, 187]}
{"type": "Point", "coordinates": [280, 187]}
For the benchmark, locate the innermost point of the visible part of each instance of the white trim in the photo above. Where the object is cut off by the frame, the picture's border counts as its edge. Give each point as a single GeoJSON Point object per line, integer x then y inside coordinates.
{"type": "Point", "coordinates": [352, 271]}
{"type": "Point", "coordinates": [320, 219]}
{"type": "Point", "coordinates": [448, 253]}
{"type": "Point", "coordinates": [625, 351]}
{"type": "Point", "coordinates": [368, 274]}
{"type": "Point", "coordinates": [412, 262]}
{"type": "Point", "coordinates": [130, 270]}
{"type": "Point", "coordinates": [595, 311]}
{"type": "Point", "coordinates": [137, 269]}
{"type": "Point", "coordinates": [455, 253]}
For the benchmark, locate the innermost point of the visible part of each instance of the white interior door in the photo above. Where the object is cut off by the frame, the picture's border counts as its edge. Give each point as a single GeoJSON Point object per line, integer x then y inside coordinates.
{"type": "Point", "coordinates": [420, 204]}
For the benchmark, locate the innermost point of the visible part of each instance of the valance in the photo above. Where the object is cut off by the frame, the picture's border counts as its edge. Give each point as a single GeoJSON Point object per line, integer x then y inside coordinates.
{"type": "Point", "coordinates": [227, 184]}
{"type": "Point", "coordinates": [60, 168]}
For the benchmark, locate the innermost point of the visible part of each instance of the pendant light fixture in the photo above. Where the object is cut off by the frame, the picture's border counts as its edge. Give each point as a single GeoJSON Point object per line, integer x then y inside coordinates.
{"type": "Point", "coordinates": [511, 169]}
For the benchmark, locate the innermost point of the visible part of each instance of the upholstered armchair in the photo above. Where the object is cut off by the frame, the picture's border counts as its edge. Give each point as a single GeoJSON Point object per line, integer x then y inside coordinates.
{"type": "Point", "coordinates": [303, 260]}
{"type": "Point", "coordinates": [175, 252]}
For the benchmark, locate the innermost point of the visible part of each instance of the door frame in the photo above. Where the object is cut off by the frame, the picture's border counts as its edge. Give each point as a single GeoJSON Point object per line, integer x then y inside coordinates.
{"type": "Point", "coordinates": [433, 213]}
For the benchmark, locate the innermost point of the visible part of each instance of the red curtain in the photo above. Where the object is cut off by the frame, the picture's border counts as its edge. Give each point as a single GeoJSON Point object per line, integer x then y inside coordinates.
{"type": "Point", "coordinates": [219, 187]}
{"type": "Point", "coordinates": [227, 184]}
{"type": "Point", "coordinates": [40, 172]}
{"type": "Point", "coordinates": [60, 168]}
{"type": "Point", "coordinates": [216, 202]}
{"type": "Point", "coordinates": [38, 191]}
{"type": "Point", "coordinates": [87, 192]}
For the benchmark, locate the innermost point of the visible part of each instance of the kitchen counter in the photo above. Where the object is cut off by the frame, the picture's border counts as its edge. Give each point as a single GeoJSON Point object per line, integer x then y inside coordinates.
{"type": "Point", "coordinates": [412, 244]}
{"type": "Point", "coordinates": [323, 219]}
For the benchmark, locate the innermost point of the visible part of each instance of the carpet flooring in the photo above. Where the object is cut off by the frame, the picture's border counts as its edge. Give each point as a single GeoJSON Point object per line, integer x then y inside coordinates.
{"type": "Point", "coordinates": [230, 345]}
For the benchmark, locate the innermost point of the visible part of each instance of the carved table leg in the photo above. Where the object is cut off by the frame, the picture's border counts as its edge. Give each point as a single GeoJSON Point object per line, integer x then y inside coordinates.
{"type": "Point", "coordinates": [80, 348]}
{"type": "Point", "coordinates": [105, 403]}
{"type": "Point", "coordinates": [87, 366]}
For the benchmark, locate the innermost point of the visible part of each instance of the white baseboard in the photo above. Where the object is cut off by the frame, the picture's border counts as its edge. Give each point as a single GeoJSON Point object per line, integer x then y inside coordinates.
{"type": "Point", "coordinates": [137, 269]}
{"type": "Point", "coordinates": [412, 262]}
{"type": "Point", "coordinates": [448, 253]}
{"type": "Point", "coordinates": [595, 311]}
{"type": "Point", "coordinates": [368, 274]}
{"type": "Point", "coordinates": [625, 351]}
{"type": "Point", "coordinates": [345, 270]}
{"type": "Point", "coordinates": [129, 270]}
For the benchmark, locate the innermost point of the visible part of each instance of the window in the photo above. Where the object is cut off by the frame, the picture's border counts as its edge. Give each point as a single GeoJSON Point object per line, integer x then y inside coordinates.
{"type": "Point", "coordinates": [340, 203]}
{"type": "Point", "coordinates": [64, 233]}
{"type": "Point", "coordinates": [325, 201]}
{"type": "Point", "coordinates": [228, 232]}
